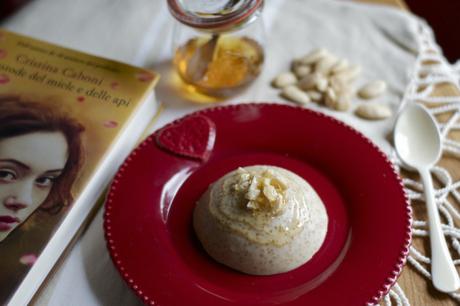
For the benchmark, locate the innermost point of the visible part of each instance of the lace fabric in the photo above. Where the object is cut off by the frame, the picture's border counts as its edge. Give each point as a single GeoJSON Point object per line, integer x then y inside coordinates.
{"type": "Point", "coordinates": [432, 69]}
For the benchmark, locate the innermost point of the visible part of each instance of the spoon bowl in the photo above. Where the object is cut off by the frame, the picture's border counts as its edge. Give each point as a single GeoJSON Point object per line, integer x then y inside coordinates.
{"type": "Point", "coordinates": [417, 138]}
{"type": "Point", "coordinates": [418, 144]}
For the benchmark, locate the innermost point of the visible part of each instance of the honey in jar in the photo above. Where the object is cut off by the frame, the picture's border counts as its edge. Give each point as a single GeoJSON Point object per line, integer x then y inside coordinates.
{"type": "Point", "coordinates": [218, 47]}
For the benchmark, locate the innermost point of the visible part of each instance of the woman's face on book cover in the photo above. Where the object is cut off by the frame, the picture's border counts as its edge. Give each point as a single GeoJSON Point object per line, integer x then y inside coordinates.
{"type": "Point", "coordinates": [29, 166]}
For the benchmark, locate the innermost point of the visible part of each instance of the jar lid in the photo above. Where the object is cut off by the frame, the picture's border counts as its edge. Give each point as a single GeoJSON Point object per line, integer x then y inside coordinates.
{"type": "Point", "coordinates": [214, 14]}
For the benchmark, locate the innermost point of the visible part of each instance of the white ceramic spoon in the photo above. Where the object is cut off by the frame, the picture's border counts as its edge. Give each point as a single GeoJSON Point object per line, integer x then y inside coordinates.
{"type": "Point", "coordinates": [418, 144]}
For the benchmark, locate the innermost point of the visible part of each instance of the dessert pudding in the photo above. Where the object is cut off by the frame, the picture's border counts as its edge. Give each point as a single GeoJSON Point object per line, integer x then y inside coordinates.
{"type": "Point", "coordinates": [261, 220]}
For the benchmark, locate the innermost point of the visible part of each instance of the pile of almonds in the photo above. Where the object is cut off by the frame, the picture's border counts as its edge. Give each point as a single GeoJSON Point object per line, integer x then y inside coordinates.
{"type": "Point", "coordinates": [323, 78]}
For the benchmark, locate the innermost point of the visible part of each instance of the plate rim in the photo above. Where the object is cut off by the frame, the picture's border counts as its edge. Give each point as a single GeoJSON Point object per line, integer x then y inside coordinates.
{"type": "Point", "coordinates": [108, 205]}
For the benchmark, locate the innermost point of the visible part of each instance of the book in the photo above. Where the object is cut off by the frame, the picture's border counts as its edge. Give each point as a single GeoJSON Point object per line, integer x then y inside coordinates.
{"type": "Point", "coordinates": [67, 122]}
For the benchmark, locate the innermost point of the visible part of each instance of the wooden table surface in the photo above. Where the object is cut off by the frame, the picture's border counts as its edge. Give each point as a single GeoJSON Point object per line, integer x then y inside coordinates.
{"type": "Point", "coordinates": [419, 290]}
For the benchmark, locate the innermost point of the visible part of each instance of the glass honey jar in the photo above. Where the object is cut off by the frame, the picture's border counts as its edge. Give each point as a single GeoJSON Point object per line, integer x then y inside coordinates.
{"type": "Point", "coordinates": [218, 44]}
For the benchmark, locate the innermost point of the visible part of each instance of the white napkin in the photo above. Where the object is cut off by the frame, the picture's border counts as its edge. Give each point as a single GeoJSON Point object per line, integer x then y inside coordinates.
{"type": "Point", "coordinates": [381, 39]}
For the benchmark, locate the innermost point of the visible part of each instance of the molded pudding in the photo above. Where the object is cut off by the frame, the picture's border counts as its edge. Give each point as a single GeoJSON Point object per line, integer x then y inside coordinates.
{"type": "Point", "coordinates": [261, 220]}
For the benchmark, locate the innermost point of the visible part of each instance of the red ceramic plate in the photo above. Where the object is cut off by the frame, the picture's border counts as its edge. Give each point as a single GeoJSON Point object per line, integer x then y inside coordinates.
{"type": "Point", "coordinates": [148, 217]}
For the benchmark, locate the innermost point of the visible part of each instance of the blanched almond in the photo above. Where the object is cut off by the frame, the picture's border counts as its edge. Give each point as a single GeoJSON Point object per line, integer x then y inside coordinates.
{"type": "Point", "coordinates": [324, 65]}
{"type": "Point", "coordinates": [330, 98]}
{"type": "Point", "coordinates": [340, 86]}
{"type": "Point", "coordinates": [373, 111]}
{"type": "Point", "coordinates": [322, 83]}
{"type": "Point", "coordinates": [315, 95]}
{"type": "Point", "coordinates": [341, 65]}
{"type": "Point", "coordinates": [337, 102]}
{"type": "Point", "coordinates": [313, 56]}
{"type": "Point", "coordinates": [343, 102]}
{"type": "Point", "coordinates": [301, 70]}
{"type": "Point", "coordinates": [285, 79]}
{"type": "Point", "coordinates": [295, 94]}
{"type": "Point", "coordinates": [349, 74]}
{"type": "Point", "coordinates": [309, 81]}
{"type": "Point", "coordinates": [372, 90]}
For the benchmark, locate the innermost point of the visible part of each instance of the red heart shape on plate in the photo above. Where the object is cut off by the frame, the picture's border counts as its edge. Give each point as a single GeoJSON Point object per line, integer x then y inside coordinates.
{"type": "Point", "coordinates": [192, 137]}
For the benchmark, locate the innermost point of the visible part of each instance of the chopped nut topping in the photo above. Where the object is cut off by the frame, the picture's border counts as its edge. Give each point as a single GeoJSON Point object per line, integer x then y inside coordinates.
{"type": "Point", "coordinates": [261, 192]}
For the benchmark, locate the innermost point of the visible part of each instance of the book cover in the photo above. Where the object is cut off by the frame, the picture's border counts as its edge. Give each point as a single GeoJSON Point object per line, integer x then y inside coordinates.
{"type": "Point", "coordinates": [67, 121]}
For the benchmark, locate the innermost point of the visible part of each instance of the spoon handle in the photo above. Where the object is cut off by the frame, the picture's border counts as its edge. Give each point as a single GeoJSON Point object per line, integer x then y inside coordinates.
{"type": "Point", "coordinates": [443, 272]}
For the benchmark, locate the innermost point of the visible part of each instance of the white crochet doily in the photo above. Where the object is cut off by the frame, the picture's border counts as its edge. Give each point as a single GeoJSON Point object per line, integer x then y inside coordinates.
{"type": "Point", "coordinates": [432, 69]}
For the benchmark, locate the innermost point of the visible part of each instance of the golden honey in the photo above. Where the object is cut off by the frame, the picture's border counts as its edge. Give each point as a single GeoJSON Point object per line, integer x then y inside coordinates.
{"type": "Point", "coordinates": [233, 63]}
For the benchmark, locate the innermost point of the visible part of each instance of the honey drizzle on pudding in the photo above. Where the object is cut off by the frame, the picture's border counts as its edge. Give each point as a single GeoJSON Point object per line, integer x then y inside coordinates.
{"type": "Point", "coordinates": [266, 205]}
